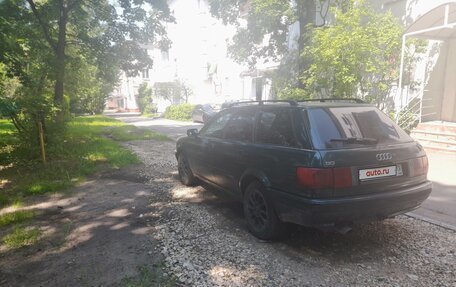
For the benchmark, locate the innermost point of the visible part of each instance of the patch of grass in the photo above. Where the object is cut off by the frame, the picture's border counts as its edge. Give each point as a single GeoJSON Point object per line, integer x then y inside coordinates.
{"type": "Point", "coordinates": [17, 202]}
{"type": "Point", "coordinates": [46, 186]}
{"type": "Point", "coordinates": [149, 277]}
{"type": "Point", "coordinates": [21, 236]}
{"type": "Point", "coordinates": [15, 217]}
{"type": "Point", "coordinates": [89, 144]}
{"type": "Point", "coordinates": [132, 133]}
{"type": "Point", "coordinates": [4, 199]}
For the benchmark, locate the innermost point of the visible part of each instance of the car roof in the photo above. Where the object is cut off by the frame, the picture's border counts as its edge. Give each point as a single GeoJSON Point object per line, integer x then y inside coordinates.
{"type": "Point", "coordinates": [333, 104]}
{"type": "Point", "coordinates": [312, 104]}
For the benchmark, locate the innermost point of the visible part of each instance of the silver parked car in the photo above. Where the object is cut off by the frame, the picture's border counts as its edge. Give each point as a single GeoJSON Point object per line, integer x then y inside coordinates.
{"type": "Point", "coordinates": [202, 113]}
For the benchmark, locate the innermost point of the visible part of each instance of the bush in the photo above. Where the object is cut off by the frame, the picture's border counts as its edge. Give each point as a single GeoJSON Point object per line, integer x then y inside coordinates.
{"type": "Point", "coordinates": [182, 112]}
{"type": "Point", "coordinates": [144, 99]}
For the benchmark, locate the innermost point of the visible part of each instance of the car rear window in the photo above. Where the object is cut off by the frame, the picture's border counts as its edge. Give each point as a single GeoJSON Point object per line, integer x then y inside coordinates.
{"type": "Point", "coordinates": [330, 127]}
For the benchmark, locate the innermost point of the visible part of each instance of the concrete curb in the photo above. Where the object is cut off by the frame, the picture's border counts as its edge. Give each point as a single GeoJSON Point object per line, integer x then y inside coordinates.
{"type": "Point", "coordinates": [432, 221]}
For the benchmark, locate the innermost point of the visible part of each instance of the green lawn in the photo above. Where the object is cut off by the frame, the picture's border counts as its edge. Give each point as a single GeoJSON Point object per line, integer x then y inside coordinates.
{"type": "Point", "coordinates": [89, 145]}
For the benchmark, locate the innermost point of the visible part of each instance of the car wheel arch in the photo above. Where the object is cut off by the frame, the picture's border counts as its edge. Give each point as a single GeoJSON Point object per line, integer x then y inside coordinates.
{"type": "Point", "coordinates": [250, 176]}
{"type": "Point", "coordinates": [178, 153]}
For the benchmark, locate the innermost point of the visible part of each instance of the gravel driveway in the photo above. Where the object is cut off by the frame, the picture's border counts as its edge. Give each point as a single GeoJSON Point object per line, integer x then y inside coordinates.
{"type": "Point", "coordinates": [205, 242]}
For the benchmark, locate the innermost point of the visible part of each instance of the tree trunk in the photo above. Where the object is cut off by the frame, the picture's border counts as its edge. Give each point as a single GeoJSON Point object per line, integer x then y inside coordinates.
{"type": "Point", "coordinates": [60, 56]}
{"type": "Point", "coordinates": [306, 15]}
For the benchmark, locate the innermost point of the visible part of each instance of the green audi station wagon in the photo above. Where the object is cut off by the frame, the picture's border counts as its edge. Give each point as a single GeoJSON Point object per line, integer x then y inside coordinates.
{"type": "Point", "coordinates": [327, 163]}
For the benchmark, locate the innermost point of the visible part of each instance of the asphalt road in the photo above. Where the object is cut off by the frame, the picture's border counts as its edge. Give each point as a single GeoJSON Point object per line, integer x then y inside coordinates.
{"type": "Point", "coordinates": [441, 205]}
{"type": "Point", "coordinates": [173, 129]}
{"type": "Point", "coordinates": [439, 208]}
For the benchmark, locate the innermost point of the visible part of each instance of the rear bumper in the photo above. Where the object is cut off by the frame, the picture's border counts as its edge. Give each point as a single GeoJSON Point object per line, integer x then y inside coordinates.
{"type": "Point", "coordinates": [348, 210]}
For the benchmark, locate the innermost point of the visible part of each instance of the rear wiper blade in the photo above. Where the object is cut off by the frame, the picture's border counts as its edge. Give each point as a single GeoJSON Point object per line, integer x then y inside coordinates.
{"type": "Point", "coordinates": [353, 140]}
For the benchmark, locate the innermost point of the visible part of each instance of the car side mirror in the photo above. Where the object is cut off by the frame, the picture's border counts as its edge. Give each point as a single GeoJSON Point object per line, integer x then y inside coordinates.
{"type": "Point", "coordinates": [192, 132]}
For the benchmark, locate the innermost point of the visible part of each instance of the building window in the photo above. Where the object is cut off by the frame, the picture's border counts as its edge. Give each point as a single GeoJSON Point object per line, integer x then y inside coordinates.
{"type": "Point", "coordinates": [145, 74]}
{"type": "Point", "coordinates": [165, 55]}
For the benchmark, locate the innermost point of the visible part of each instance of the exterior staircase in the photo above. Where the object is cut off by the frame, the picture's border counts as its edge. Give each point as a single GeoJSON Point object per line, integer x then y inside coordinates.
{"type": "Point", "coordinates": [438, 136]}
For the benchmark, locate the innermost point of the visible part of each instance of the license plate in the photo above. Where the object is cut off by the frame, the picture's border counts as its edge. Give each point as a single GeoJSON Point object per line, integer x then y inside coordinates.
{"type": "Point", "coordinates": [379, 172]}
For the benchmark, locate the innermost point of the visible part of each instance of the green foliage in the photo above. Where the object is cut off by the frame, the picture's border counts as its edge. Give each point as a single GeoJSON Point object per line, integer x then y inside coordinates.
{"type": "Point", "coordinates": [270, 18]}
{"type": "Point", "coordinates": [87, 86]}
{"type": "Point", "coordinates": [66, 55]}
{"type": "Point", "coordinates": [8, 142]}
{"type": "Point", "coordinates": [144, 99]}
{"type": "Point", "coordinates": [415, 50]}
{"type": "Point", "coordinates": [15, 217]}
{"type": "Point", "coordinates": [21, 236]}
{"type": "Point", "coordinates": [47, 186]}
{"type": "Point", "coordinates": [358, 56]}
{"type": "Point", "coordinates": [290, 93]}
{"type": "Point", "coordinates": [8, 85]}
{"type": "Point", "coordinates": [265, 18]}
{"type": "Point", "coordinates": [182, 112]}
{"type": "Point", "coordinates": [4, 200]}
{"type": "Point", "coordinates": [406, 119]}
{"type": "Point", "coordinates": [263, 26]}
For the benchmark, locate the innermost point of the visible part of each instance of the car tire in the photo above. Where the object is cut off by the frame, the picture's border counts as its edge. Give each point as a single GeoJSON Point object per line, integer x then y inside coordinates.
{"type": "Point", "coordinates": [259, 212]}
{"type": "Point", "coordinates": [185, 172]}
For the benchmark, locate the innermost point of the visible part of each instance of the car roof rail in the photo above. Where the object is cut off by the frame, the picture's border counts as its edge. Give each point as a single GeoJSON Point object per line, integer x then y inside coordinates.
{"type": "Point", "coordinates": [324, 100]}
{"type": "Point", "coordinates": [260, 103]}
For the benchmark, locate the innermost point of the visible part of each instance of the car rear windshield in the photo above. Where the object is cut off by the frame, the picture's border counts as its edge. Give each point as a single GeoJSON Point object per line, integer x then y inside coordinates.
{"type": "Point", "coordinates": [351, 127]}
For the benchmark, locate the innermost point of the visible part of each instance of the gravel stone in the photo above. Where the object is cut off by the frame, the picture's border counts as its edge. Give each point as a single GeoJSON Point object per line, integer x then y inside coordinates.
{"type": "Point", "coordinates": [205, 241]}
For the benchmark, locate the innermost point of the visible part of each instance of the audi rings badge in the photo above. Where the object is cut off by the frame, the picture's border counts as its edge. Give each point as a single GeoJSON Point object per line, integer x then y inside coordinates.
{"type": "Point", "coordinates": [384, 156]}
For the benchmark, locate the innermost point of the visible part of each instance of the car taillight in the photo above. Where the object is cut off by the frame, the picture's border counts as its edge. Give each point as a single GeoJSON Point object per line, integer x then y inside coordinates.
{"type": "Point", "coordinates": [319, 178]}
{"type": "Point", "coordinates": [419, 166]}
{"type": "Point", "coordinates": [342, 177]}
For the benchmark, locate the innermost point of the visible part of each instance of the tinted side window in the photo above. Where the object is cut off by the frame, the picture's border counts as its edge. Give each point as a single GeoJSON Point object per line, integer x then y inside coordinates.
{"type": "Point", "coordinates": [240, 127]}
{"type": "Point", "coordinates": [276, 128]}
{"type": "Point", "coordinates": [215, 127]}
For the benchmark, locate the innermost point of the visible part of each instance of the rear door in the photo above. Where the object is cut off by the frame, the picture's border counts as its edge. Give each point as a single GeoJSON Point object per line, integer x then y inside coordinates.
{"type": "Point", "coordinates": [381, 155]}
{"type": "Point", "coordinates": [204, 155]}
{"type": "Point", "coordinates": [232, 154]}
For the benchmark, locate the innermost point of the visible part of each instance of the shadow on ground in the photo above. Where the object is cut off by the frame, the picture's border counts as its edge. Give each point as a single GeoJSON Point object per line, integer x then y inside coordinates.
{"type": "Point", "coordinates": [100, 234]}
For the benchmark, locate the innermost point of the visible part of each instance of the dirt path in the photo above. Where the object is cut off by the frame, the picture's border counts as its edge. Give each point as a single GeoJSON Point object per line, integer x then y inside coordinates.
{"type": "Point", "coordinates": [99, 234]}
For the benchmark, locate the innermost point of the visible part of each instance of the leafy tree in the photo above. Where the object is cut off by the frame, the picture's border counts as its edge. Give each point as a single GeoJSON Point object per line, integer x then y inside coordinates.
{"type": "Point", "coordinates": [87, 84]}
{"type": "Point", "coordinates": [104, 29]}
{"type": "Point", "coordinates": [67, 54]}
{"type": "Point", "coordinates": [263, 26]}
{"type": "Point", "coordinates": [264, 35]}
{"type": "Point", "coordinates": [144, 99]}
{"type": "Point", "coordinates": [357, 56]}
